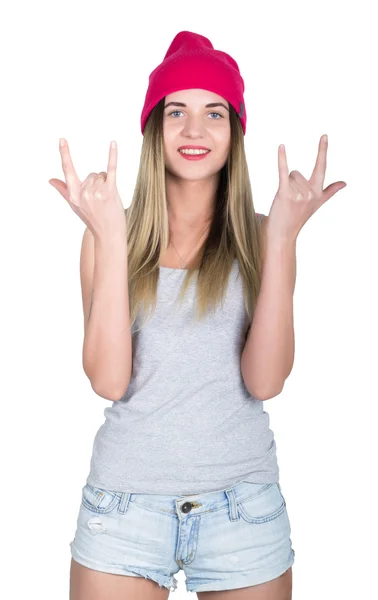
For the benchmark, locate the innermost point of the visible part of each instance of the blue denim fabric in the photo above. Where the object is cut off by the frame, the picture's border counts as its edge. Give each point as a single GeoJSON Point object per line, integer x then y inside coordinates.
{"type": "Point", "coordinates": [222, 540]}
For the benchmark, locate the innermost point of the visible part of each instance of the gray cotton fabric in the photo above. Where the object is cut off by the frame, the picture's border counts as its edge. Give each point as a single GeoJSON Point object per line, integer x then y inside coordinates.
{"type": "Point", "coordinates": [187, 423]}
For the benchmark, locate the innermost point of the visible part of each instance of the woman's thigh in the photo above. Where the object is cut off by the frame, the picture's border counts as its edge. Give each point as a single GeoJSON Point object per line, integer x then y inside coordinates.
{"type": "Point", "coordinates": [277, 589]}
{"type": "Point", "coordinates": [88, 583]}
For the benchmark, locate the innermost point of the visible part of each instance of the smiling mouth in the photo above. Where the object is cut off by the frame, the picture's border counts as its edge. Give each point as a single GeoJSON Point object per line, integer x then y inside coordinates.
{"type": "Point", "coordinates": [194, 156]}
{"type": "Point", "coordinates": [193, 151]}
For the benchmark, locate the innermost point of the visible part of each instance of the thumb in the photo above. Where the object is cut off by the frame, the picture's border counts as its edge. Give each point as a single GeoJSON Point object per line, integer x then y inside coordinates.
{"type": "Point", "coordinates": [333, 188]}
{"type": "Point", "coordinates": [60, 186]}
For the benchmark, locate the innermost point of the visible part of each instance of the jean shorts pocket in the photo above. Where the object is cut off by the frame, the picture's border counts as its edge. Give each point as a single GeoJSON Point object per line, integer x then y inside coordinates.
{"type": "Point", "coordinates": [263, 506]}
{"type": "Point", "coordinates": [99, 500]}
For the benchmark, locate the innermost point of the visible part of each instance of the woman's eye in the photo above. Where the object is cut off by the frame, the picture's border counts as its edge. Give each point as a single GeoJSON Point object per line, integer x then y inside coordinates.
{"type": "Point", "coordinates": [212, 113]}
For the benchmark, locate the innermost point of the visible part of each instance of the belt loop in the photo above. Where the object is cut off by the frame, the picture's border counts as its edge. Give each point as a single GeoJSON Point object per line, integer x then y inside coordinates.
{"type": "Point", "coordinates": [124, 504]}
{"type": "Point", "coordinates": [233, 512]}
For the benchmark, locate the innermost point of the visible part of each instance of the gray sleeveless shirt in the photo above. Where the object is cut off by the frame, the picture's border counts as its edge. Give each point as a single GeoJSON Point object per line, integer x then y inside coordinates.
{"type": "Point", "coordinates": [187, 423]}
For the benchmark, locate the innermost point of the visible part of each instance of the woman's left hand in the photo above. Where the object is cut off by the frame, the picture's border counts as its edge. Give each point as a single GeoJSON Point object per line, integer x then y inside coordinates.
{"type": "Point", "coordinates": [298, 198]}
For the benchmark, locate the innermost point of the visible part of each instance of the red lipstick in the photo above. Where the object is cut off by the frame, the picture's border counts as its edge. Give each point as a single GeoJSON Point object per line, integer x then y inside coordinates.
{"type": "Point", "coordinates": [194, 156]}
{"type": "Point", "coordinates": [195, 147]}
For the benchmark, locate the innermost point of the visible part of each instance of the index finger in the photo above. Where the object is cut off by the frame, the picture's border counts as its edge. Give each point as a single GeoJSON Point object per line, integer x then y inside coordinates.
{"type": "Point", "coordinates": [318, 174]}
{"type": "Point", "coordinates": [67, 165]}
{"type": "Point", "coordinates": [112, 163]}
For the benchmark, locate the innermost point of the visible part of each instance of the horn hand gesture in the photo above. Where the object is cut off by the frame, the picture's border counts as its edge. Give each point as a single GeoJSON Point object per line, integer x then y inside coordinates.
{"type": "Point", "coordinates": [297, 198]}
{"type": "Point", "coordinates": [95, 200]}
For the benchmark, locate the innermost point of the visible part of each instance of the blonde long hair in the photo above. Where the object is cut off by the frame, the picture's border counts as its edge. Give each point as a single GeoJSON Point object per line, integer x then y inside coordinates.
{"type": "Point", "coordinates": [234, 231]}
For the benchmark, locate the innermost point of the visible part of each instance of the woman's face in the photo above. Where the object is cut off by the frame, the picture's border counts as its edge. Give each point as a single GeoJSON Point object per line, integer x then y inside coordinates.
{"type": "Point", "coordinates": [190, 122]}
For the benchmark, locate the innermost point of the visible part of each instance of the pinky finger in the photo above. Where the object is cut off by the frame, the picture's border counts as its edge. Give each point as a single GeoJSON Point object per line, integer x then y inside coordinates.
{"type": "Point", "coordinates": [112, 163]}
{"type": "Point", "coordinates": [283, 169]}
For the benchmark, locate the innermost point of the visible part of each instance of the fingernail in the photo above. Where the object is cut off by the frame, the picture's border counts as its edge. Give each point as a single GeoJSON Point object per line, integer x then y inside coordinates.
{"type": "Point", "coordinates": [62, 141]}
{"type": "Point", "coordinates": [325, 138]}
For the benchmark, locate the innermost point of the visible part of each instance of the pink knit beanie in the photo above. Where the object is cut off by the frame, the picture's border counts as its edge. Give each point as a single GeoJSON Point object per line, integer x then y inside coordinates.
{"type": "Point", "coordinates": [191, 62]}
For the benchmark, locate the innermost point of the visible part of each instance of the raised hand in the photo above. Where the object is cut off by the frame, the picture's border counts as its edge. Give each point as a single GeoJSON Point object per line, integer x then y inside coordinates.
{"type": "Point", "coordinates": [297, 198]}
{"type": "Point", "coordinates": [95, 200]}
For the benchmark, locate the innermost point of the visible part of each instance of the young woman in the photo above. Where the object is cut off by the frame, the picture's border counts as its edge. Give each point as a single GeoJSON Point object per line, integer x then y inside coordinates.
{"type": "Point", "coordinates": [187, 299]}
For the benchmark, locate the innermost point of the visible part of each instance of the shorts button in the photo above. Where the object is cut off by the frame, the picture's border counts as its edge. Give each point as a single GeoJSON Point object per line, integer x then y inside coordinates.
{"type": "Point", "coordinates": [186, 507]}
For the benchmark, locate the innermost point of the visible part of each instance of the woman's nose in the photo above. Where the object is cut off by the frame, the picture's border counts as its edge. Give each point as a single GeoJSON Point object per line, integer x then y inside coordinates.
{"type": "Point", "coordinates": [194, 125]}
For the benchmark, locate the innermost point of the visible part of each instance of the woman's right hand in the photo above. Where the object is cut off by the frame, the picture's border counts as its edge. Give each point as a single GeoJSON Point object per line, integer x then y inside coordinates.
{"type": "Point", "coordinates": [96, 199]}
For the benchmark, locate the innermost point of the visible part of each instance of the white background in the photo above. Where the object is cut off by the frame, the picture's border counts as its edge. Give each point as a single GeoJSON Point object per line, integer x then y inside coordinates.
{"type": "Point", "coordinates": [80, 70]}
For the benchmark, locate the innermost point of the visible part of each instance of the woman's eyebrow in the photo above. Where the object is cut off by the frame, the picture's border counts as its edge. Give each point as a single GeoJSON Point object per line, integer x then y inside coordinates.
{"type": "Point", "coordinates": [211, 105]}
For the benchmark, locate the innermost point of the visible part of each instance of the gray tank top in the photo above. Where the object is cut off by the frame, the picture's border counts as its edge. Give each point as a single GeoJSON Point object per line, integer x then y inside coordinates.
{"type": "Point", "coordinates": [187, 423]}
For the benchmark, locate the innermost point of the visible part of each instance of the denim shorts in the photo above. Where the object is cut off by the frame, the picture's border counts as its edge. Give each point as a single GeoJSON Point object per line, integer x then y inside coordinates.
{"type": "Point", "coordinates": [222, 540]}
